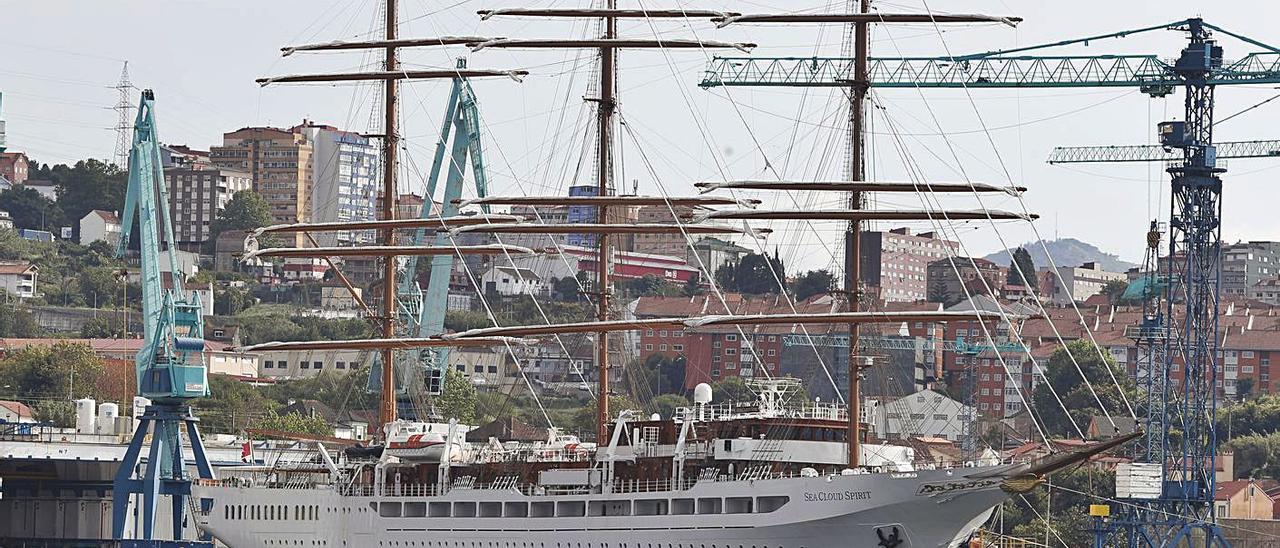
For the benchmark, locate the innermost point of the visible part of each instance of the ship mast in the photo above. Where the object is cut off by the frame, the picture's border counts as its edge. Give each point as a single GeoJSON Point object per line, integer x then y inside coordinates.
{"type": "Point", "coordinates": [390, 140]}
{"type": "Point", "coordinates": [853, 232]}
{"type": "Point", "coordinates": [608, 56]}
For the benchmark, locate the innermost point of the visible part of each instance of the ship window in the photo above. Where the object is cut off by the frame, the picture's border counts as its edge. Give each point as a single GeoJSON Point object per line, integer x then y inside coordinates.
{"type": "Point", "coordinates": [415, 509]}
{"type": "Point", "coordinates": [738, 505]}
{"type": "Point", "coordinates": [710, 506]}
{"type": "Point", "coordinates": [516, 510]}
{"type": "Point", "coordinates": [438, 510]}
{"type": "Point", "coordinates": [464, 509]}
{"type": "Point", "coordinates": [491, 509]}
{"type": "Point", "coordinates": [571, 508]}
{"type": "Point", "coordinates": [682, 507]}
{"type": "Point", "coordinates": [651, 507]}
{"type": "Point", "coordinates": [765, 505]}
{"type": "Point", "coordinates": [545, 509]}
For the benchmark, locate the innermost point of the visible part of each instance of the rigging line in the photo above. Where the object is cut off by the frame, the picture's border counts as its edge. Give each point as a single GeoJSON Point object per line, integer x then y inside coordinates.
{"type": "Point", "coordinates": [494, 319]}
{"type": "Point", "coordinates": [699, 123]}
{"type": "Point", "coordinates": [1017, 332]}
{"type": "Point", "coordinates": [1035, 297]}
{"type": "Point", "coordinates": [1009, 176]}
{"type": "Point", "coordinates": [644, 158]}
{"type": "Point", "coordinates": [706, 139]}
{"type": "Point", "coordinates": [1048, 527]}
{"type": "Point", "coordinates": [1112, 500]}
{"type": "Point", "coordinates": [916, 175]}
{"type": "Point", "coordinates": [1090, 106]}
{"type": "Point", "coordinates": [714, 284]}
{"type": "Point", "coordinates": [559, 251]}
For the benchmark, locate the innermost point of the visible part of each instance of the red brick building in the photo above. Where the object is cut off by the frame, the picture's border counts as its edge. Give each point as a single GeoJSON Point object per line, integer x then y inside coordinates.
{"type": "Point", "coordinates": [715, 353]}
{"type": "Point", "coordinates": [14, 167]}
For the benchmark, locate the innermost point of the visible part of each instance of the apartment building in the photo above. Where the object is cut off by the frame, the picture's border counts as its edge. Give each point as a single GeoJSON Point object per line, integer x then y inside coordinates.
{"type": "Point", "coordinates": [897, 262]}
{"type": "Point", "coordinates": [347, 168]}
{"type": "Point", "coordinates": [1246, 264]}
{"type": "Point", "coordinates": [280, 162]}
{"type": "Point", "coordinates": [196, 196]}
{"type": "Point", "coordinates": [1077, 283]}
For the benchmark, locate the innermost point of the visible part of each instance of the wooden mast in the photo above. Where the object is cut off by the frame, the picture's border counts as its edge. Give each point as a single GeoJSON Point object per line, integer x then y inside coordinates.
{"type": "Point", "coordinates": [853, 236]}
{"type": "Point", "coordinates": [390, 141]}
{"type": "Point", "coordinates": [604, 171]}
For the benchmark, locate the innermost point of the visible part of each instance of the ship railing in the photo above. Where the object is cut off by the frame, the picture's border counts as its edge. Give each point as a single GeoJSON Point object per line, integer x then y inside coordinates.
{"type": "Point", "coordinates": [727, 411]}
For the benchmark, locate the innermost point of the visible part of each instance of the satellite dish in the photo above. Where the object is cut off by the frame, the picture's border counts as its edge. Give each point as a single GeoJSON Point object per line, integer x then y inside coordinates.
{"type": "Point", "coordinates": [702, 393]}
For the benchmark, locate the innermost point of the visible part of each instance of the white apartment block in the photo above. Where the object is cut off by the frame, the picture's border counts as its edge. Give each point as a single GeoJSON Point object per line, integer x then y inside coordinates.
{"type": "Point", "coordinates": [1077, 283]}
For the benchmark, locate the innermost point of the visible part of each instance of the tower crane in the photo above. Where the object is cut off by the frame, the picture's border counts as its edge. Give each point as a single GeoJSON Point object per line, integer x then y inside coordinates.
{"type": "Point", "coordinates": [170, 366]}
{"type": "Point", "coordinates": [422, 314]}
{"type": "Point", "coordinates": [1182, 513]}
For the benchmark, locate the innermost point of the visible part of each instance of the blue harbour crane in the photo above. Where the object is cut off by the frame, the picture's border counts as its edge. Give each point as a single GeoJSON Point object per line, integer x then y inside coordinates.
{"type": "Point", "coordinates": [1181, 513]}
{"type": "Point", "coordinates": [422, 313]}
{"type": "Point", "coordinates": [170, 367]}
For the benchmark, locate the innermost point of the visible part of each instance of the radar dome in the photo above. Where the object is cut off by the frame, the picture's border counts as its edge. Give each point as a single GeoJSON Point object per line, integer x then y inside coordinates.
{"type": "Point", "coordinates": [702, 393]}
{"type": "Point", "coordinates": [655, 417]}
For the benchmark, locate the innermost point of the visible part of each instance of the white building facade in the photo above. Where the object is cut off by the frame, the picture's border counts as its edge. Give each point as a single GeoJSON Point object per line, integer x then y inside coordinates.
{"type": "Point", "coordinates": [924, 414]}
{"type": "Point", "coordinates": [100, 225]}
{"type": "Point", "coordinates": [1077, 283]}
{"type": "Point", "coordinates": [347, 167]}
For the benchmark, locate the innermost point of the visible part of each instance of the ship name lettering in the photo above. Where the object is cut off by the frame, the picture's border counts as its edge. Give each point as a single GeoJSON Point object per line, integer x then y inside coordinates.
{"type": "Point", "coordinates": [836, 496]}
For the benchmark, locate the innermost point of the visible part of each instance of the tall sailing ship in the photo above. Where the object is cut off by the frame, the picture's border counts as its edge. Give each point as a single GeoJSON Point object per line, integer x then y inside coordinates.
{"type": "Point", "coordinates": [778, 472]}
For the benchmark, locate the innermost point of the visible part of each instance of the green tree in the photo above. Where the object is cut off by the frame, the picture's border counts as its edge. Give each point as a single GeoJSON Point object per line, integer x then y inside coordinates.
{"type": "Point", "coordinates": [99, 287]}
{"type": "Point", "coordinates": [1256, 455]}
{"type": "Point", "coordinates": [465, 320]}
{"type": "Point", "coordinates": [232, 405]}
{"type": "Point", "coordinates": [754, 273]}
{"type": "Point", "coordinates": [340, 390]}
{"type": "Point", "coordinates": [62, 371]}
{"type": "Point", "coordinates": [1066, 507]}
{"type": "Point", "coordinates": [1244, 388]}
{"type": "Point", "coordinates": [1114, 290]}
{"type": "Point", "coordinates": [692, 286]}
{"type": "Point", "coordinates": [18, 322]}
{"type": "Point", "coordinates": [666, 404]}
{"type": "Point", "coordinates": [101, 328]}
{"type": "Point", "coordinates": [231, 301]}
{"type": "Point", "coordinates": [86, 186]}
{"type": "Point", "coordinates": [732, 389]}
{"type": "Point", "coordinates": [457, 399]}
{"type": "Point", "coordinates": [813, 282]}
{"type": "Point", "coordinates": [245, 211]}
{"type": "Point", "coordinates": [650, 285]}
{"type": "Point", "coordinates": [1258, 415]}
{"type": "Point", "coordinates": [295, 423]}
{"type": "Point", "coordinates": [665, 373]}
{"type": "Point", "coordinates": [31, 210]}
{"type": "Point", "coordinates": [1077, 393]}
{"type": "Point", "coordinates": [1021, 266]}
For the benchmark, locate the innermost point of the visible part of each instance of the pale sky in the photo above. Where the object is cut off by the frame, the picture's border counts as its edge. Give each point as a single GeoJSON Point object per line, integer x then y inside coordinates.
{"type": "Point", "coordinates": [201, 57]}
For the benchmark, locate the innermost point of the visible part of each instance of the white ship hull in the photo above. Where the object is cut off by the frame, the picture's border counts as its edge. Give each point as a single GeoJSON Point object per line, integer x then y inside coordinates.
{"type": "Point", "coordinates": [931, 508]}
